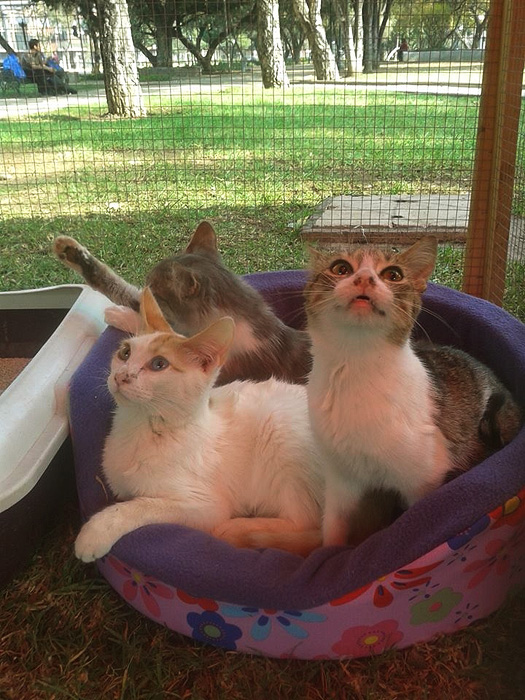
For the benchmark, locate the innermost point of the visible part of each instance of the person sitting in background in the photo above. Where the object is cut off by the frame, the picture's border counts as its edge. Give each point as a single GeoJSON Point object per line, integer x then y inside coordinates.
{"type": "Point", "coordinates": [53, 62]}
{"type": "Point", "coordinates": [49, 80]}
{"type": "Point", "coordinates": [402, 50]}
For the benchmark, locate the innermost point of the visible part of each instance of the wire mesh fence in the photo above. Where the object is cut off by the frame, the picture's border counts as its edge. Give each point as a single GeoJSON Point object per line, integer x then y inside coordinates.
{"type": "Point", "coordinates": [383, 151]}
{"type": "Point", "coordinates": [514, 254]}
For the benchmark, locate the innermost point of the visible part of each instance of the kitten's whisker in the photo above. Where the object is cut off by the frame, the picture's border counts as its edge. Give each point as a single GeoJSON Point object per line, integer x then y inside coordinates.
{"type": "Point", "coordinates": [292, 317]}
{"type": "Point", "coordinates": [292, 293]}
{"type": "Point", "coordinates": [101, 381]}
{"type": "Point", "coordinates": [321, 303]}
{"type": "Point", "coordinates": [423, 330]}
{"type": "Point", "coordinates": [439, 318]}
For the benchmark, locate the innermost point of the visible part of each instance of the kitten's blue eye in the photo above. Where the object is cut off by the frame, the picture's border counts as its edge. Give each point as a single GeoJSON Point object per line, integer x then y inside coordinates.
{"type": "Point", "coordinates": [158, 363]}
{"type": "Point", "coordinates": [124, 352]}
{"type": "Point", "coordinates": [392, 274]}
{"type": "Point", "coordinates": [341, 268]}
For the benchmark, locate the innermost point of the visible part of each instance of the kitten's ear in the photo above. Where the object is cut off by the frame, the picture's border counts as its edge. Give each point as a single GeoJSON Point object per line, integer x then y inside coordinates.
{"type": "Point", "coordinates": [209, 348]}
{"type": "Point", "coordinates": [203, 238]}
{"type": "Point", "coordinates": [151, 316]}
{"type": "Point", "coordinates": [420, 259]}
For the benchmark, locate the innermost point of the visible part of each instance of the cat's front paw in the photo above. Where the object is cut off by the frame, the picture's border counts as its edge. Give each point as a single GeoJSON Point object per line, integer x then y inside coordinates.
{"type": "Point", "coordinates": [123, 318]}
{"type": "Point", "coordinates": [70, 252]}
{"type": "Point", "coordinates": [96, 538]}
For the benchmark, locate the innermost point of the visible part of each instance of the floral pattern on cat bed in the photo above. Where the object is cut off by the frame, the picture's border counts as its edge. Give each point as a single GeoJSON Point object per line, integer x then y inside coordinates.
{"type": "Point", "coordinates": [460, 581]}
{"type": "Point", "coordinates": [165, 561]}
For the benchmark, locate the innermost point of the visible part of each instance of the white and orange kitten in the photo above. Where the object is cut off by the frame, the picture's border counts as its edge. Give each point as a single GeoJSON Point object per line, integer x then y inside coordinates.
{"type": "Point", "coordinates": [390, 416]}
{"type": "Point", "coordinates": [181, 451]}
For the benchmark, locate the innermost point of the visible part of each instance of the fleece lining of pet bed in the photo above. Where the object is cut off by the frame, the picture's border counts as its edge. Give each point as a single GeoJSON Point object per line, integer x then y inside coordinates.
{"type": "Point", "coordinates": [208, 568]}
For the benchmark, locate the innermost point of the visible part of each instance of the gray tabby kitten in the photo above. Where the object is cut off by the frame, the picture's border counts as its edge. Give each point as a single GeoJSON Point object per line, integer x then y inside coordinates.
{"type": "Point", "coordinates": [193, 289]}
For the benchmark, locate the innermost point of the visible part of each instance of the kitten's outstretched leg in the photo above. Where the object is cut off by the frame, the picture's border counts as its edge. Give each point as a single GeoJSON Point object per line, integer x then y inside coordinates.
{"type": "Point", "coordinates": [98, 275]}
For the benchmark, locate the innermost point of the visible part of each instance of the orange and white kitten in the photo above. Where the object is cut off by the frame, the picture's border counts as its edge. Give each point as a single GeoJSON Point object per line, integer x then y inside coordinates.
{"type": "Point", "coordinates": [181, 451]}
{"type": "Point", "coordinates": [390, 416]}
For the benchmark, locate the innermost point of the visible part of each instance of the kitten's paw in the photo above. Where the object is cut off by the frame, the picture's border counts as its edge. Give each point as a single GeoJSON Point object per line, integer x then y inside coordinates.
{"type": "Point", "coordinates": [123, 318]}
{"type": "Point", "coordinates": [95, 539]}
{"type": "Point", "coordinates": [70, 252]}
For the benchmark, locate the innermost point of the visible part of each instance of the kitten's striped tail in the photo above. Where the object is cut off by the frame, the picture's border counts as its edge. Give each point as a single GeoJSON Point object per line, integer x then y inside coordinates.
{"type": "Point", "coordinates": [260, 532]}
{"type": "Point", "coordinates": [298, 542]}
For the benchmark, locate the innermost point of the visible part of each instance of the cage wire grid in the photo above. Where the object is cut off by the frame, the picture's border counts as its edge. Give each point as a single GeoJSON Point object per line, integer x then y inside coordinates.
{"type": "Point", "coordinates": [385, 155]}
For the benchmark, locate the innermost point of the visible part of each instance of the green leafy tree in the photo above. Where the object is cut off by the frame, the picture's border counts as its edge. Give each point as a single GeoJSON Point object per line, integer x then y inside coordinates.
{"type": "Point", "coordinates": [429, 24]}
{"type": "Point", "coordinates": [152, 23]}
{"type": "Point", "coordinates": [471, 21]}
{"type": "Point", "coordinates": [200, 25]}
{"type": "Point", "coordinates": [203, 32]}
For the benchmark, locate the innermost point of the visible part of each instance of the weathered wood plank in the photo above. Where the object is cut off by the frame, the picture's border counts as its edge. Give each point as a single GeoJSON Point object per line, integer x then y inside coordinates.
{"type": "Point", "coordinates": [396, 219]}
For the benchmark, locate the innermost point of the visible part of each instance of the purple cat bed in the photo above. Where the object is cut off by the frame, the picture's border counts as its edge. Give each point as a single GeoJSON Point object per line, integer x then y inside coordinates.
{"type": "Point", "coordinates": [452, 558]}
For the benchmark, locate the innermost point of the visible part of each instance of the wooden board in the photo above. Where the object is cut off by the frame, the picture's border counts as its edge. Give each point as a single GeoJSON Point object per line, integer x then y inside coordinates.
{"type": "Point", "coordinates": [396, 219]}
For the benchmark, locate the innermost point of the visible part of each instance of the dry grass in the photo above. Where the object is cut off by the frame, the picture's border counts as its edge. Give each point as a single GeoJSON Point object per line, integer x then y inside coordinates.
{"type": "Point", "coordinates": [64, 633]}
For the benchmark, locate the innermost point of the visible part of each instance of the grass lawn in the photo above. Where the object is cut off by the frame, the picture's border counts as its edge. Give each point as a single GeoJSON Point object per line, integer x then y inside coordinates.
{"type": "Point", "coordinates": [255, 163]}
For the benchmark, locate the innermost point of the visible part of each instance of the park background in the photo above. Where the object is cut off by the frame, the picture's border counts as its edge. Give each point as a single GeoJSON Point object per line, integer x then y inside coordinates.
{"type": "Point", "coordinates": [190, 116]}
{"type": "Point", "coordinates": [256, 115]}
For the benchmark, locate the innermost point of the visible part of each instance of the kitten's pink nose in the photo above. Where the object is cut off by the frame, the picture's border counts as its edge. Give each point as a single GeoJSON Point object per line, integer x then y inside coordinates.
{"type": "Point", "coordinates": [364, 278]}
{"type": "Point", "coordinates": [122, 377]}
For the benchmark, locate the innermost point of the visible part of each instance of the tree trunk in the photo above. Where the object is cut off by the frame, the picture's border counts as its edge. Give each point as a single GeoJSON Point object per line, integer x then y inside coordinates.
{"type": "Point", "coordinates": [269, 45]}
{"type": "Point", "coordinates": [369, 43]}
{"type": "Point", "coordinates": [121, 77]}
{"type": "Point", "coordinates": [152, 58]}
{"type": "Point", "coordinates": [95, 52]}
{"type": "Point", "coordinates": [387, 9]}
{"type": "Point", "coordinates": [203, 59]}
{"type": "Point", "coordinates": [293, 42]}
{"type": "Point", "coordinates": [309, 14]}
{"type": "Point", "coordinates": [480, 30]}
{"type": "Point", "coordinates": [343, 12]}
{"type": "Point", "coordinates": [375, 35]}
{"type": "Point", "coordinates": [296, 47]}
{"type": "Point", "coordinates": [164, 40]}
{"type": "Point", "coordinates": [4, 44]}
{"type": "Point", "coordinates": [358, 34]}
{"type": "Point", "coordinates": [88, 13]}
